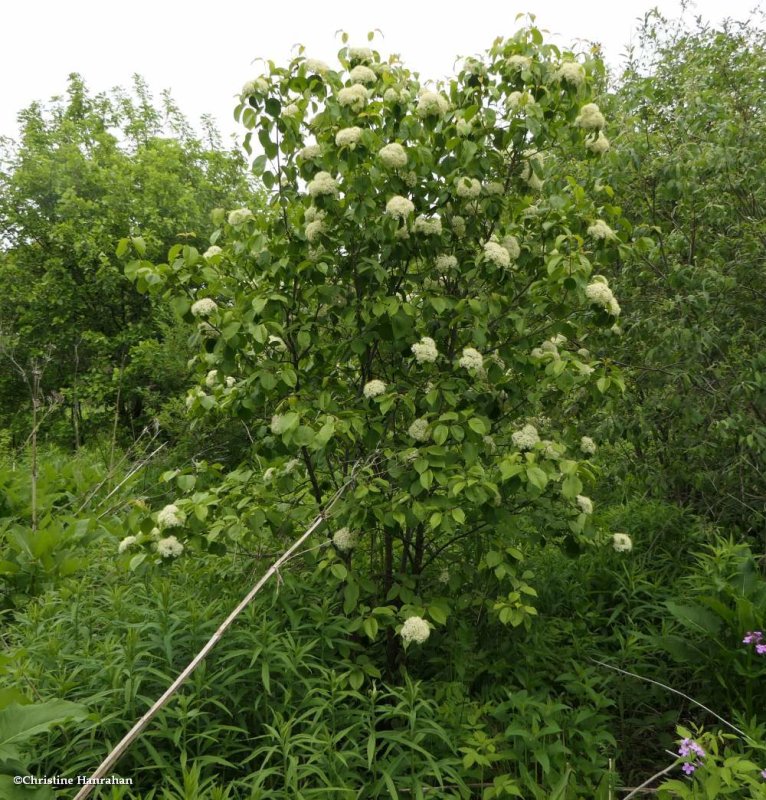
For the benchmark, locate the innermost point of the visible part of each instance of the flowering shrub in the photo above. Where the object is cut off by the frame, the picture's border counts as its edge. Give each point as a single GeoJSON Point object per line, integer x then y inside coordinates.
{"type": "Point", "coordinates": [420, 241]}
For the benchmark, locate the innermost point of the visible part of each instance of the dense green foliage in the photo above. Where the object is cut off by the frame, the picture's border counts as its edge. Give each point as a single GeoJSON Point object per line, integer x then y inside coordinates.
{"type": "Point", "coordinates": [86, 171]}
{"type": "Point", "coordinates": [417, 341]}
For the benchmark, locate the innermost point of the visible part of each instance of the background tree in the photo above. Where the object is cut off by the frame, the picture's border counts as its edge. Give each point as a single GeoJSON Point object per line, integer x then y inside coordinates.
{"type": "Point", "coordinates": [86, 171]}
{"type": "Point", "coordinates": [690, 162]}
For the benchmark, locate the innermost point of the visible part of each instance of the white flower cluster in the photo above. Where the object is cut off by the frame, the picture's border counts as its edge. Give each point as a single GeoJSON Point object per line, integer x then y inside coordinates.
{"type": "Point", "coordinates": [291, 110]}
{"type": "Point", "coordinates": [211, 378]}
{"type": "Point", "coordinates": [212, 252]}
{"type": "Point", "coordinates": [471, 359]}
{"type": "Point", "coordinates": [170, 516]}
{"type": "Point", "coordinates": [467, 187]}
{"type": "Point", "coordinates": [494, 188]}
{"type": "Point", "coordinates": [458, 226]}
{"type": "Point", "coordinates": [323, 183]}
{"type": "Point", "coordinates": [344, 540]}
{"type": "Point", "coordinates": [585, 503]}
{"type": "Point", "coordinates": [393, 156]}
{"type": "Point", "coordinates": [257, 86]}
{"type": "Point", "coordinates": [518, 62]}
{"type": "Point", "coordinates": [354, 96]}
{"type": "Point", "coordinates": [169, 547]}
{"type": "Point", "coordinates": [126, 544]}
{"type": "Point", "coordinates": [600, 230]}
{"type": "Point", "coordinates": [314, 229]}
{"type": "Point", "coordinates": [316, 66]}
{"type": "Point", "coordinates": [348, 137]}
{"type": "Point", "coordinates": [598, 144]}
{"type": "Point", "coordinates": [571, 72]}
{"type": "Point", "coordinates": [204, 307]}
{"type": "Point", "coordinates": [622, 543]}
{"type": "Point", "coordinates": [399, 207]}
{"type": "Point", "coordinates": [525, 438]}
{"type": "Point", "coordinates": [239, 215]}
{"type": "Point", "coordinates": [373, 388]}
{"type": "Point", "coordinates": [587, 445]}
{"type": "Point", "coordinates": [590, 117]}
{"type": "Point", "coordinates": [415, 629]}
{"type": "Point", "coordinates": [446, 262]}
{"type": "Point", "coordinates": [310, 151]}
{"type": "Point", "coordinates": [429, 226]}
{"type": "Point", "coordinates": [425, 351]}
{"type": "Point", "coordinates": [600, 294]}
{"type": "Point", "coordinates": [511, 244]}
{"type": "Point", "coordinates": [419, 430]}
{"type": "Point", "coordinates": [360, 53]}
{"type": "Point", "coordinates": [497, 254]}
{"type": "Point", "coordinates": [431, 104]}
{"type": "Point", "coordinates": [362, 74]}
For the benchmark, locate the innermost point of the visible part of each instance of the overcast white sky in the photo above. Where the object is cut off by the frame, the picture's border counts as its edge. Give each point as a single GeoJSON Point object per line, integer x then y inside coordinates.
{"type": "Point", "coordinates": [204, 52]}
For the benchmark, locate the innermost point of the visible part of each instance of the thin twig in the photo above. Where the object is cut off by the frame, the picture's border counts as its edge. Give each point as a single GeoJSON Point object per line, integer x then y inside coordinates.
{"type": "Point", "coordinates": [674, 691]}
{"type": "Point", "coordinates": [114, 756]}
{"type": "Point", "coordinates": [646, 783]}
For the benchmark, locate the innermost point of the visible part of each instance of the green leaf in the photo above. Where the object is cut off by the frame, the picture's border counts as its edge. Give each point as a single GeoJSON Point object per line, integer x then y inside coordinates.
{"type": "Point", "coordinates": [695, 617]}
{"type": "Point", "coordinates": [537, 477]}
{"type": "Point", "coordinates": [20, 723]}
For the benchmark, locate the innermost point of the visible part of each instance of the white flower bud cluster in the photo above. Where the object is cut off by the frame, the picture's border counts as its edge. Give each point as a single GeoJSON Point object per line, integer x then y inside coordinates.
{"type": "Point", "coordinates": [600, 230]}
{"type": "Point", "coordinates": [323, 183]}
{"type": "Point", "coordinates": [525, 438]}
{"type": "Point", "coordinates": [204, 307]}
{"type": "Point", "coordinates": [585, 503]}
{"type": "Point", "coordinates": [425, 351]}
{"type": "Point", "coordinates": [362, 74]}
{"type": "Point", "coordinates": [169, 547]}
{"type": "Point", "coordinates": [428, 226]}
{"type": "Point", "coordinates": [419, 430]}
{"type": "Point", "coordinates": [393, 156]}
{"type": "Point", "coordinates": [348, 137]}
{"type": "Point", "coordinates": [598, 144]}
{"type": "Point", "coordinates": [431, 104]}
{"type": "Point", "coordinates": [571, 72]}
{"type": "Point", "coordinates": [496, 254]}
{"type": "Point", "coordinates": [344, 540]}
{"type": "Point", "coordinates": [587, 445]}
{"type": "Point", "coordinates": [354, 97]}
{"type": "Point", "coordinates": [415, 629]}
{"type": "Point", "coordinates": [399, 207]}
{"type": "Point", "coordinates": [600, 294]}
{"type": "Point", "coordinates": [170, 516]}
{"type": "Point", "coordinates": [590, 117]}
{"type": "Point", "coordinates": [373, 388]}
{"type": "Point", "coordinates": [471, 359]}
{"type": "Point", "coordinates": [467, 187]}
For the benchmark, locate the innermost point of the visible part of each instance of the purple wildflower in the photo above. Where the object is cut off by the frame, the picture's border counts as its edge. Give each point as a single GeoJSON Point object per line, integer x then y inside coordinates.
{"type": "Point", "coordinates": [760, 649]}
{"type": "Point", "coordinates": [694, 747]}
{"type": "Point", "coordinates": [752, 637]}
{"type": "Point", "coordinates": [688, 768]}
{"type": "Point", "coordinates": [689, 746]}
{"type": "Point", "coordinates": [763, 774]}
